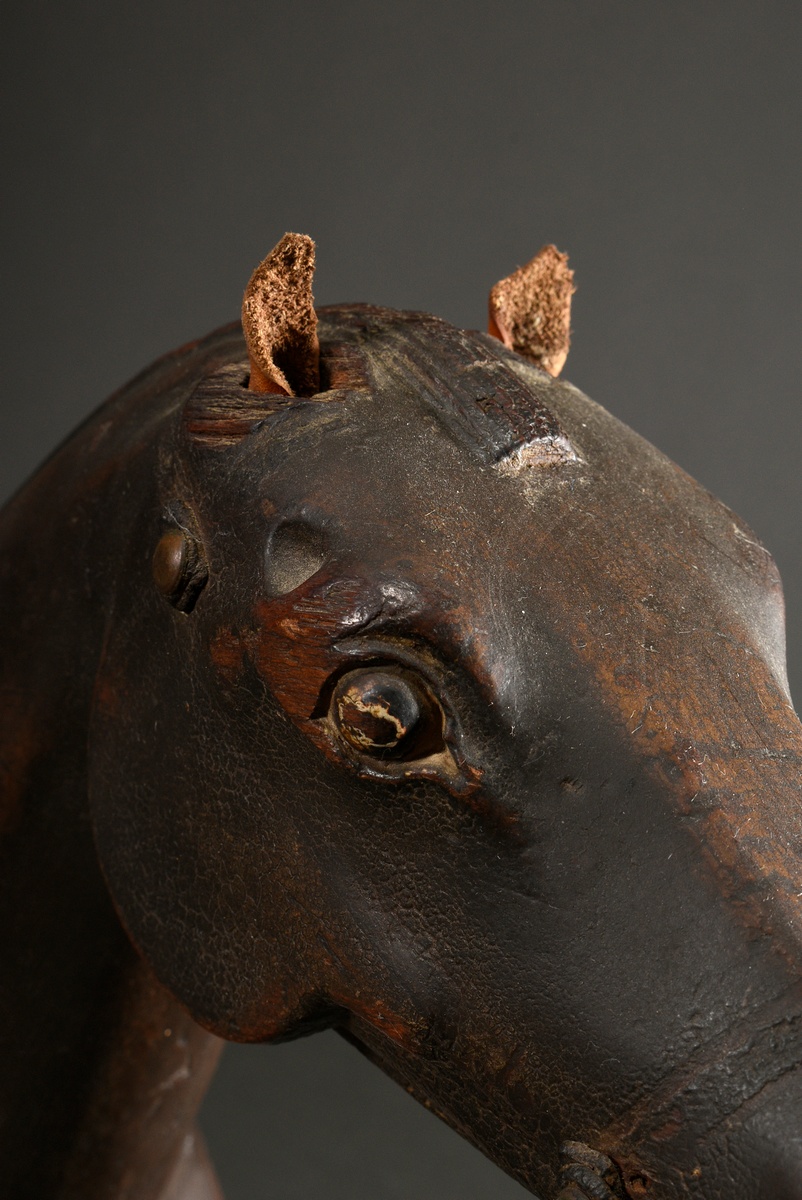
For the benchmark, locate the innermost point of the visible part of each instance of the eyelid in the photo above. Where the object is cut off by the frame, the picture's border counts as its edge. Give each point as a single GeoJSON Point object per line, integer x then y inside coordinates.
{"type": "Point", "coordinates": [450, 668]}
{"type": "Point", "coordinates": [410, 651]}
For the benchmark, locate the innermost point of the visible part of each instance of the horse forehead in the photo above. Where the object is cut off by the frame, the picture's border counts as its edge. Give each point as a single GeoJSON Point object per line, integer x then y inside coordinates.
{"type": "Point", "coordinates": [394, 484]}
{"type": "Point", "coordinates": [412, 477]}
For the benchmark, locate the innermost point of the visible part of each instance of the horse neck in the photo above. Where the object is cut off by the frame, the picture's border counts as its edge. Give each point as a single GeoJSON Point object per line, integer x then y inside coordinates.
{"type": "Point", "coordinates": [102, 1071]}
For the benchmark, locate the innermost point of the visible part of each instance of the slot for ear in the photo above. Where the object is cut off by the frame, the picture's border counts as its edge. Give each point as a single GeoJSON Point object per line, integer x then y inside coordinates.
{"type": "Point", "coordinates": [530, 310]}
{"type": "Point", "coordinates": [279, 320]}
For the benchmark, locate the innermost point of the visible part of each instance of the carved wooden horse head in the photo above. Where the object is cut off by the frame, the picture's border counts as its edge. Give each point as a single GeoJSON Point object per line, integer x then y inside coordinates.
{"type": "Point", "coordinates": [386, 683]}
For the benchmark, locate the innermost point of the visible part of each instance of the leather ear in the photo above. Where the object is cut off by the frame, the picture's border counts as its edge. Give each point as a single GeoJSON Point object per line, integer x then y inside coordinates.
{"type": "Point", "coordinates": [530, 310]}
{"type": "Point", "coordinates": [279, 320]}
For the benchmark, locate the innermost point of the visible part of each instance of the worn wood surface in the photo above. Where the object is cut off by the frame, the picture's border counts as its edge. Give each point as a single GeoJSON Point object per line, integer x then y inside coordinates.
{"type": "Point", "coordinates": [562, 907]}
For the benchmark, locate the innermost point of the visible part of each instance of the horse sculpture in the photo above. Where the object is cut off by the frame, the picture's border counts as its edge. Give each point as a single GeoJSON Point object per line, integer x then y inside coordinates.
{"type": "Point", "coordinates": [363, 675]}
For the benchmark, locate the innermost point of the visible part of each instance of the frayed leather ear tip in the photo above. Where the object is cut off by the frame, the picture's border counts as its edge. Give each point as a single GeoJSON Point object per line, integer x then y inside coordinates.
{"type": "Point", "coordinates": [530, 310]}
{"type": "Point", "coordinates": [279, 320]}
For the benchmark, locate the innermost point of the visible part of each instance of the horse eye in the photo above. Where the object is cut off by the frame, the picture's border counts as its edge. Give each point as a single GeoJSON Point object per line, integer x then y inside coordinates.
{"type": "Point", "coordinates": [179, 569]}
{"type": "Point", "coordinates": [387, 713]}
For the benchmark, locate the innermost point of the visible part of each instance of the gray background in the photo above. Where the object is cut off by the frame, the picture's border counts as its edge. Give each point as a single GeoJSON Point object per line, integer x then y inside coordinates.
{"type": "Point", "coordinates": [155, 152]}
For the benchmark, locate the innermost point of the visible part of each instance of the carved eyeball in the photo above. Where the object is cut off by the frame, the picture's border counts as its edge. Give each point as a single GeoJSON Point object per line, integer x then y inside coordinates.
{"type": "Point", "coordinates": [387, 713]}
{"type": "Point", "coordinates": [179, 569]}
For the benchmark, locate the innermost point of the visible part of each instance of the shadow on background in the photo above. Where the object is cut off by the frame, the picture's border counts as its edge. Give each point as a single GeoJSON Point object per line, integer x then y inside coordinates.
{"type": "Point", "coordinates": [316, 1119]}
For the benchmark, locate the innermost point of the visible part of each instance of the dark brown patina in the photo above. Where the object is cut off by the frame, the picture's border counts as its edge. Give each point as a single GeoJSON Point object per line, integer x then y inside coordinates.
{"type": "Point", "coordinates": [434, 706]}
